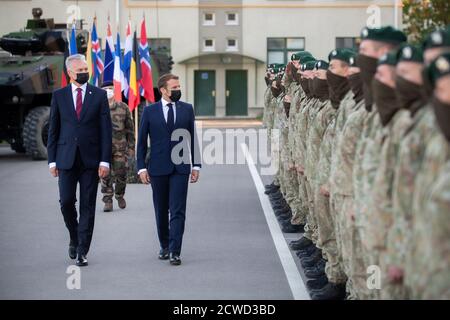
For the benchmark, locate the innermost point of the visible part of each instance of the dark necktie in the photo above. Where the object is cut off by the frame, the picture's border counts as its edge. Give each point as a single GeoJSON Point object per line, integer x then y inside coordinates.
{"type": "Point", "coordinates": [170, 118]}
{"type": "Point", "coordinates": [79, 105]}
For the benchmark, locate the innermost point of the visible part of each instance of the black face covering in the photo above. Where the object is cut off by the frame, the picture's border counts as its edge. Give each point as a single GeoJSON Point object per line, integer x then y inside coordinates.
{"type": "Point", "coordinates": [386, 101]}
{"type": "Point", "coordinates": [311, 89]}
{"type": "Point", "coordinates": [407, 93]}
{"type": "Point", "coordinates": [287, 107]}
{"type": "Point", "coordinates": [276, 91]}
{"type": "Point", "coordinates": [427, 88]}
{"type": "Point", "coordinates": [175, 95]}
{"type": "Point", "coordinates": [305, 85]}
{"type": "Point", "coordinates": [297, 78]}
{"type": "Point", "coordinates": [442, 112]}
{"type": "Point", "coordinates": [267, 79]}
{"type": "Point", "coordinates": [320, 88]}
{"type": "Point", "coordinates": [356, 85]}
{"type": "Point", "coordinates": [82, 77]}
{"type": "Point", "coordinates": [338, 87]}
{"type": "Point", "coordinates": [368, 66]}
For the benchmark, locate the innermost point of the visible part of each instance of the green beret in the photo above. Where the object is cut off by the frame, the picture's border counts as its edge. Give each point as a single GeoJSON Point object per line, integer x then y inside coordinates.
{"type": "Point", "coordinates": [389, 58]}
{"type": "Point", "coordinates": [273, 70]}
{"type": "Point", "coordinates": [410, 53]}
{"type": "Point", "coordinates": [308, 65]}
{"type": "Point", "coordinates": [298, 56]}
{"type": "Point", "coordinates": [343, 54]}
{"type": "Point", "coordinates": [384, 34]}
{"type": "Point", "coordinates": [439, 67]}
{"type": "Point", "coordinates": [437, 38]}
{"type": "Point", "coordinates": [308, 59]}
{"type": "Point", "coordinates": [321, 65]}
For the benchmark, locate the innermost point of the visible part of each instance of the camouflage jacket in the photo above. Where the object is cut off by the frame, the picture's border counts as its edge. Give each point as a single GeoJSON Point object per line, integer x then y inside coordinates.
{"type": "Point", "coordinates": [380, 216]}
{"type": "Point", "coordinates": [123, 138]}
{"type": "Point", "coordinates": [341, 179]}
{"type": "Point", "coordinates": [410, 157]}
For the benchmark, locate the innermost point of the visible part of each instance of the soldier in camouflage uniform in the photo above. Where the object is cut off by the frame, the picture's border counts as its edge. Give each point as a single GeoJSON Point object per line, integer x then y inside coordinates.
{"type": "Point", "coordinates": [410, 158]}
{"type": "Point", "coordinates": [375, 43]}
{"type": "Point", "coordinates": [123, 146]}
{"type": "Point", "coordinates": [422, 261]}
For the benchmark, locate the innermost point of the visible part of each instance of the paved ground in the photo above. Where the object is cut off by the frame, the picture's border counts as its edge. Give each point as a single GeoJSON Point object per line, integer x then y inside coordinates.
{"type": "Point", "coordinates": [228, 251]}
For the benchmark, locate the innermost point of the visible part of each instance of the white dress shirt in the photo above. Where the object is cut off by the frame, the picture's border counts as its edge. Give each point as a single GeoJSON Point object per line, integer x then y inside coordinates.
{"type": "Point", "coordinates": [166, 113]}
{"type": "Point", "coordinates": [74, 96]}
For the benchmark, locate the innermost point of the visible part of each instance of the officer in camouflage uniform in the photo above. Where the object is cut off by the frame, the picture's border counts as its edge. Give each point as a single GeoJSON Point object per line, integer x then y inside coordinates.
{"type": "Point", "coordinates": [123, 146]}
{"type": "Point", "coordinates": [420, 270]}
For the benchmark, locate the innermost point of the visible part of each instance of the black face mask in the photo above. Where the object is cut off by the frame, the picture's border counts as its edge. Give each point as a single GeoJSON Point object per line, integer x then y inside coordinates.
{"type": "Point", "coordinates": [427, 88]}
{"type": "Point", "coordinates": [267, 79]}
{"type": "Point", "coordinates": [82, 77]}
{"type": "Point", "coordinates": [175, 95]}
{"type": "Point", "coordinates": [408, 93]}
{"type": "Point", "coordinates": [356, 84]}
{"type": "Point", "coordinates": [297, 78]}
{"type": "Point", "coordinates": [442, 112]}
{"type": "Point", "coordinates": [368, 66]}
{"type": "Point", "coordinates": [311, 89]}
{"type": "Point", "coordinates": [320, 88]}
{"type": "Point", "coordinates": [386, 101]}
{"type": "Point", "coordinates": [287, 107]}
{"type": "Point", "coordinates": [305, 85]}
{"type": "Point", "coordinates": [338, 87]}
{"type": "Point", "coordinates": [276, 91]}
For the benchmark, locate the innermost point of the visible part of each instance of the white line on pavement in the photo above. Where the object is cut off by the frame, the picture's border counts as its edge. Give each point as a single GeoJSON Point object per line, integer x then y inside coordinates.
{"type": "Point", "coordinates": [295, 281]}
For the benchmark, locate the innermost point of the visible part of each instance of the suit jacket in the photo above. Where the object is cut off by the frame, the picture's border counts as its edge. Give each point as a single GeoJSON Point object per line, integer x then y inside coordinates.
{"type": "Point", "coordinates": [153, 125]}
{"type": "Point", "coordinates": [92, 134]}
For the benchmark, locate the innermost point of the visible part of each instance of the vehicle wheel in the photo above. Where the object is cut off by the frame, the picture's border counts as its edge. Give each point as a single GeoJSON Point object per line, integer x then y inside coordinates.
{"type": "Point", "coordinates": [35, 132]}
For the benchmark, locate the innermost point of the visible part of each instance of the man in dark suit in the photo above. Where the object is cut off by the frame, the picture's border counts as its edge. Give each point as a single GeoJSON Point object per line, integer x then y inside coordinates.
{"type": "Point", "coordinates": [170, 124]}
{"type": "Point", "coordinates": [79, 151]}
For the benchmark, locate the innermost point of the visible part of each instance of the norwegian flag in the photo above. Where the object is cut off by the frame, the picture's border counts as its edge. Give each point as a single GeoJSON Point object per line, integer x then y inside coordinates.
{"type": "Point", "coordinates": [146, 89]}
{"type": "Point", "coordinates": [96, 56]}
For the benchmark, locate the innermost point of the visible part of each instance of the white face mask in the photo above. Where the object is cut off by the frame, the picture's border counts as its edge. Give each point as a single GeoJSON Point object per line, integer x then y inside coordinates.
{"type": "Point", "coordinates": [109, 93]}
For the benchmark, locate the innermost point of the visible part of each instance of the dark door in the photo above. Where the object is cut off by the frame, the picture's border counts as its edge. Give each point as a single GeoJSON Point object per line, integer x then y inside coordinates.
{"type": "Point", "coordinates": [205, 93]}
{"type": "Point", "coordinates": [236, 92]}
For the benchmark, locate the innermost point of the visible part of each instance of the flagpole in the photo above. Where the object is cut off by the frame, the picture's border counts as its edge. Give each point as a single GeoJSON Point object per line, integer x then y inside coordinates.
{"type": "Point", "coordinates": [136, 122]}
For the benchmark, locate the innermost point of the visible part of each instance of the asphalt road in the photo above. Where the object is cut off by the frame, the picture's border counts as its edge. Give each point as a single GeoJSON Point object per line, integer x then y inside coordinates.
{"type": "Point", "coordinates": [228, 251]}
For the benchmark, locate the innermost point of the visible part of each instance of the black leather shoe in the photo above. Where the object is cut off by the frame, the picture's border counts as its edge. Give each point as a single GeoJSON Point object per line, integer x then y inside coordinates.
{"type": "Point", "coordinates": [283, 212]}
{"type": "Point", "coordinates": [276, 196]}
{"type": "Point", "coordinates": [299, 247]}
{"type": "Point", "coordinates": [307, 253]}
{"type": "Point", "coordinates": [163, 254]}
{"type": "Point", "coordinates": [81, 260]}
{"type": "Point", "coordinates": [72, 250]}
{"type": "Point", "coordinates": [175, 259]}
{"type": "Point", "coordinates": [316, 284]}
{"type": "Point", "coordinates": [331, 291]}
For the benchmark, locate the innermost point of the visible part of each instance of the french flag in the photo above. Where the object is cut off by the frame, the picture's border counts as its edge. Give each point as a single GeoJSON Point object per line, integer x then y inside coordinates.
{"type": "Point", "coordinates": [118, 78]}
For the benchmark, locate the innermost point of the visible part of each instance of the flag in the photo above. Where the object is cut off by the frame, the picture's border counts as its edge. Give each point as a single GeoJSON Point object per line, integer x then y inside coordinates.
{"type": "Point", "coordinates": [127, 60]}
{"type": "Point", "coordinates": [135, 77]}
{"type": "Point", "coordinates": [109, 55]}
{"type": "Point", "coordinates": [73, 41]}
{"type": "Point", "coordinates": [118, 72]}
{"type": "Point", "coordinates": [146, 68]}
{"type": "Point", "coordinates": [97, 62]}
{"type": "Point", "coordinates": [89, 57]}
{"type": "Point", "coordinates": [64, 69]}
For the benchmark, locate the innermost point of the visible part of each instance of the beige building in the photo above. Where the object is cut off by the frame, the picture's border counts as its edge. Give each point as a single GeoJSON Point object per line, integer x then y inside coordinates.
{"type": "Point", "coordinates": [221, 47]}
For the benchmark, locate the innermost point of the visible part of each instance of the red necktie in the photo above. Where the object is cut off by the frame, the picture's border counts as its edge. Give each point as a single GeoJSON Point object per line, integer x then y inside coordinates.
{"type": "Point", "coordinates": [79, 103]}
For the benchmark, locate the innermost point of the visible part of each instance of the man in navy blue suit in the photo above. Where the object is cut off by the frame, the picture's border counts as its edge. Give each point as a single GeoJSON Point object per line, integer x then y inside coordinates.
{"type": "Point", "coordinates": [170, 125]}
{"type": "Point", "coordinates": [79, 151]}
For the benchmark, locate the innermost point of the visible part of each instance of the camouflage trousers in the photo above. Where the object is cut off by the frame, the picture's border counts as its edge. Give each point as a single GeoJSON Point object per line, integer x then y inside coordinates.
{"type": "Point", "coordinates": [370, 258]}
{"type": "Point", "coordinates": [390, 291]}
{"type": "Point", "coordinates": [311, 223]}
{"type": "Point", "coordinates": [327, 238]}
{"type": "Point", "coordinates": [116, 182]}
{"type": "Point", "coordinates": [290, 179]}
{"type": "Point", "coordinates": [358, 269]}
{"type": "Point", "coordinates": [300, 203]}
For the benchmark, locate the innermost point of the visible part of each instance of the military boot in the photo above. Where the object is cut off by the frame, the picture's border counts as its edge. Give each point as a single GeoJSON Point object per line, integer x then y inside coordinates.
{"type": "Point", "coordinates": [108, 206]}
{"type": "Point", "coordinates": [311, 260]}
{"type": "Point", "coordinates": [302, 243]}
{"type": "Point", "coordinates": [331, 291]}
{"type": "Point", "coordinates": [316, 271]}
{"type": "Point", "coordinates": [122, 203]}
{"type": "Point", "coordinates": [318, 283]}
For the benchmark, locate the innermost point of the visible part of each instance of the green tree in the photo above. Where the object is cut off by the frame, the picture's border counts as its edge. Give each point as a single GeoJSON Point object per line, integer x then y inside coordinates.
{"type": "Point", "coordinates": [420, 17]}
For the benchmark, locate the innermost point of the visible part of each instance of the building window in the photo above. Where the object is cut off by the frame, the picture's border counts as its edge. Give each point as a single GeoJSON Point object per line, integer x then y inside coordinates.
{"type": "Point", "coordinates": [209, 19]}
{"type": "Point", "coordinates": [159, 45]}
{"type": "Point", "coordinates": [232, 19]}
{"type": "Point", "coordinates": [209, 45]}
{"type": "Point", "coordinates": [279, 50]}
{"type": "Point", "coordinates": [232, 44]}
{"type": "Point", "coordinates": [347, 42]}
